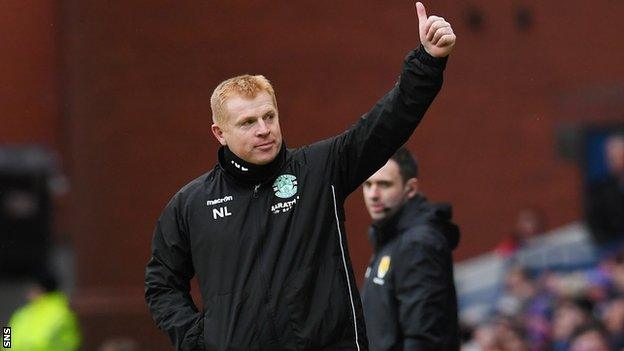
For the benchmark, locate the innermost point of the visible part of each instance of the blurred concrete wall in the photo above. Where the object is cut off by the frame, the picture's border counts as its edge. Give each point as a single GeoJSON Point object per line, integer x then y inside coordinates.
{"type": "Point", "coordinates": [122, 90]}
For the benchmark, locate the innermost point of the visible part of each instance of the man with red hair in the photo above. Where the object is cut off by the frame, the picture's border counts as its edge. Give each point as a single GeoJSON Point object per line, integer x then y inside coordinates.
{"type": "Point", "coordinates": [264, 229]}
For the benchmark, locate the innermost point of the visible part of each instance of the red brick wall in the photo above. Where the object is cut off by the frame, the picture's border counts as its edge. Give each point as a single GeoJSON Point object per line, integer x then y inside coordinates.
{"type": "Point", "coordinates": [29, 94]}
{"type": "Point", "coordinates": [137, 77]}
{"type": "Point", "coordinates": [31, 91]}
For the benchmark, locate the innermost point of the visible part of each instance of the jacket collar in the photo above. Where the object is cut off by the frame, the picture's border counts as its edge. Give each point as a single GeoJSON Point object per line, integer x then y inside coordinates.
{"type": "Point", "coordinates": [248, 173]}
{"type": "Point", "coordinates": [417, 211]}
{"type": "Point", "coordinates": [386, 229]}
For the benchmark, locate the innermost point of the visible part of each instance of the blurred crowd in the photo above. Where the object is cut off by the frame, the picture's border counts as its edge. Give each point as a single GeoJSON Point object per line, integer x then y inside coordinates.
{"type": "Point", "coordinates": [579, 310]}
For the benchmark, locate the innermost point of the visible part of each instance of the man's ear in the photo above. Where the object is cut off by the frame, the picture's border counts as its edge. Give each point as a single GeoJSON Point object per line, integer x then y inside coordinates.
{"type": "Point", "coordinates": [411, 187]}
{"type": "Point", "coordinates": [218, 133]}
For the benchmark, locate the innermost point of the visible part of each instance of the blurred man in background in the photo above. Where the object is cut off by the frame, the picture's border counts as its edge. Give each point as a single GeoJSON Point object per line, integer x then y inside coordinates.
{"type": "Point", "coordinates": [409, 295]}
{"type": "Point", "coordinates": [46, 323]}
{"type": "Point", "coordinates": [606, 198]}
{"type": "Point", "coordinates": [530, 223]}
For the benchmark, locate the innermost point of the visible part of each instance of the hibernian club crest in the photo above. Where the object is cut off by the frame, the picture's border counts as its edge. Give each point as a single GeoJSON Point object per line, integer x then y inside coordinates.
{"type": "Point", "coordinates": [285, 186]}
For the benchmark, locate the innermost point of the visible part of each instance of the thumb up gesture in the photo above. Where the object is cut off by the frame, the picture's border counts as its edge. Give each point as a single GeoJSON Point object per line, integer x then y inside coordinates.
{"type": "Point", "coordinates": [436, 34]}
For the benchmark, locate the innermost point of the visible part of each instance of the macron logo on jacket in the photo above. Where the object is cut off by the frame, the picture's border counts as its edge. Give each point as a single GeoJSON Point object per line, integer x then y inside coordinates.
{"type": "Point", "coordinates": [221, 211]}
{"type": "Point", "coordinates": [219, 201]}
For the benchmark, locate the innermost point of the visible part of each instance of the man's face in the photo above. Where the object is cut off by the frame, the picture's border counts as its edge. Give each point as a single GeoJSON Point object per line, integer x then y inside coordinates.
{"type": "Point", "coordinates": [250, 128]}
{"type": "Point", "coordinates": [615, 156]}
{"type": "Point", "coordinates": [385, 192]}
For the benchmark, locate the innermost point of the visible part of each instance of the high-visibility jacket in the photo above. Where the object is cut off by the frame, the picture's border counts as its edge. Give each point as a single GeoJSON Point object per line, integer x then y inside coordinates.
{"type": "Point", "coordinates": [45, 324]}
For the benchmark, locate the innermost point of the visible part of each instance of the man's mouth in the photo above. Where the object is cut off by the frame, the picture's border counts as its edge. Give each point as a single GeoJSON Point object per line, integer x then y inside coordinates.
{"type": "Point", "coordinates": [265, 146]}
{"type": "Point", "coordinates": [377, 207]}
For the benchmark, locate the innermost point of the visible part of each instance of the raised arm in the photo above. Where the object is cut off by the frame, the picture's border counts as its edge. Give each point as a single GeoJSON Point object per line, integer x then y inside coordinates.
{"type": "Point", "coordinates": [361, 150]}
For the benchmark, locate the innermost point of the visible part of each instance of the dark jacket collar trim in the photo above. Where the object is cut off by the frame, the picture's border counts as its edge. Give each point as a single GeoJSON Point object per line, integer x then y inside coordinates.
{"type": "Point", "coordinates": [248, 173]}
{"type": "Point", "coordinates": [415, 212]}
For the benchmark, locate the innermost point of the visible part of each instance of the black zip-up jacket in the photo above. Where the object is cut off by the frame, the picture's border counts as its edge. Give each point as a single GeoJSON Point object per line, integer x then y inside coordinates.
{"type": "Point", "coordinates": [409, 295]}
{"type": "Point", "coordinates": [271, 258]}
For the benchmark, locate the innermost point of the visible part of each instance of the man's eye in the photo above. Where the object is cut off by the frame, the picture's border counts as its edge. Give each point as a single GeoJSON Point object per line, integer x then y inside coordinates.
{"type": "Point", "coordinates": [248, 122]}
{"type": "Point", "coordinates": [270, 116]}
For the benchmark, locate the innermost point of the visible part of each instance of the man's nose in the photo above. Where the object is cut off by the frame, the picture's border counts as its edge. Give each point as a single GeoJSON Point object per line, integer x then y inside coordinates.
{"type": "Point", "coordinates": [373, 192]}
{"type": "Point", "coordinates": [263, 129]}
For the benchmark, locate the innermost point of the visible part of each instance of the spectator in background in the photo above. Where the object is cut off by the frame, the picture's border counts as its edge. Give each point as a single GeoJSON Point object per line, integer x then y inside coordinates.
{"type": "Point", "coordinates": [511, 336]}
{"type": "Point", "coordinates": [499, 334]}
{"type": "Point", "coordinates": [616, 272]}
{"type": "Point", "coordinates": [519, 290]}
{"type": "Point", "coordinates": [530, 223]}
{"type": "Point", "coordinates": [408, 296]}
{"type": "Point", "coordinates": [605, 213]}
{"type": "Point", "coordinates": [591, 337]}
{"type": "Point", "coordinates": [46, 322]}
{"type": "Point", "coordinates": [613, 319]}
{"type": "Point", "coordinates": [527, 306]}
{"type": "Point", "coordinates": [485, 338]}
{"type": "Point", "coordinates": [569, 315]}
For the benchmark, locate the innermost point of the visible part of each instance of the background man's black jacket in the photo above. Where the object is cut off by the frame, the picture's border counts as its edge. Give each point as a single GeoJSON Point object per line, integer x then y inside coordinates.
{"type": "Point", "coordinates": [605, 211]}
{"type": "Point", "coordinates": [409, 295]}
{"type": "Point", "coordinates": [271, 258]}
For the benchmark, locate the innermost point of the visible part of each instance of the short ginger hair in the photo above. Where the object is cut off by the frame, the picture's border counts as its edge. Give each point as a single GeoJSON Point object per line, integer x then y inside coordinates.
{"type": "Point", "coordinates": [246, 86]}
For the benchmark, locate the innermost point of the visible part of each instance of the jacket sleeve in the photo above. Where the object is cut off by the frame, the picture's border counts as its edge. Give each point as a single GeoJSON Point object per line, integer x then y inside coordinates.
{"type": "Point", "coordinates": [423, 295]}
{"type": "Point", "coordinates": [167, 276]}
{"type": "Point", "coordinates": [367, 146]}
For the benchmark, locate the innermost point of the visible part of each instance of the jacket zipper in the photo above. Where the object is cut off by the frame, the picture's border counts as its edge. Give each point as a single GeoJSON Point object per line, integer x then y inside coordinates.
{"type": "Point", "coordinates": [265, 285]}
